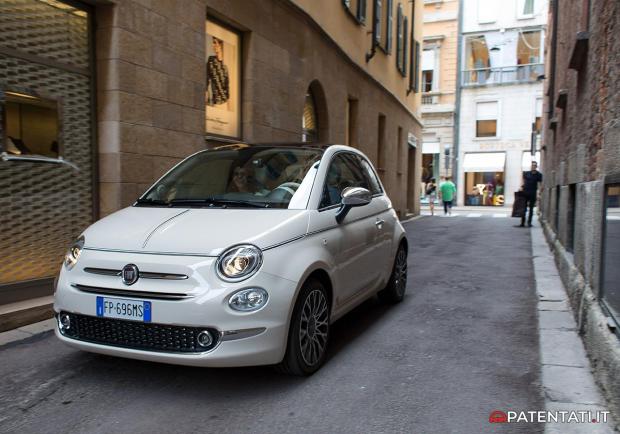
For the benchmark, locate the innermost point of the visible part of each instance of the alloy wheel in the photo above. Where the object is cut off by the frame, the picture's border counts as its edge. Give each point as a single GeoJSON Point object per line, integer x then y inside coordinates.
{"type": "Point", "coordinates": [313, 327]}
{"type": "Point", "coordinates": [400, 272]}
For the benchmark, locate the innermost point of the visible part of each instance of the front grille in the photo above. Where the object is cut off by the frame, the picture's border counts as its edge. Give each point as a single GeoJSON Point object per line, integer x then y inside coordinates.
{"type": "Point", "coordinates": [137, 335]}
{"type": "Point", "coordinates": [132, 293]}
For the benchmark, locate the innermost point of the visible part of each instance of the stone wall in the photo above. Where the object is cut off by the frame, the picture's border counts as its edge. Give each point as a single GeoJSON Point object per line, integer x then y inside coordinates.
{"type": "Point", "coordinates": [150, 92]}
{"type": "Point", "coordinates": [579, 154]}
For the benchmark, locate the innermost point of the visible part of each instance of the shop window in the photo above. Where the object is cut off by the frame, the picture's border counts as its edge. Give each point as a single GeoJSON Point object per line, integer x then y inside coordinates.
{"type": "Point", "coordinates": [357, 9]}
{"type": "Point", "coordinates": [351, 123]}
{"type": "Point", "coordinates": [31, 125]}
{"type": "Point", "coordinates": [486, 119]}
{"type": "Point", "coordinates": [223, 114]}
{"type": "Point", "coordinates": [611, 251]}
{"type": "Point", "coordinates": [528, 47]}
{"type": "Point", "coordinates": [484, 188]}
{"type": "Point", "coordinates": [487, 11]}
{"type": "Point", "coordinates": [309, 119]}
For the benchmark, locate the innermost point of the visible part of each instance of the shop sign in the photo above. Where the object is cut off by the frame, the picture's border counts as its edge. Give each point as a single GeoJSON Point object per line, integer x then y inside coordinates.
{"type": "Point", "coordinates": [504, 145]}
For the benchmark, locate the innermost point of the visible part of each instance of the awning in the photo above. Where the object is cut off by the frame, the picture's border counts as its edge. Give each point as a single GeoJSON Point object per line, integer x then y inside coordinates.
{"type": "Point", "coordinates": [430, 148]}
{"type": "Point", "coordinates": [526, 162]}
{"type": "Point", "coordinates": [484, 162]}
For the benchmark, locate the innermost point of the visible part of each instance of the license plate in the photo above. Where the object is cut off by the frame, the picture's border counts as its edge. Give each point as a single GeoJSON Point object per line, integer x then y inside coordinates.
{"type": "Point", "coordinates": [120, 308]}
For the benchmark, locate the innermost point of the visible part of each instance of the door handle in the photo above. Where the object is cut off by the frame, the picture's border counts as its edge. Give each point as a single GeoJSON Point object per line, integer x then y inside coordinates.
{"type": "Point", "coordinates": [379, 223]}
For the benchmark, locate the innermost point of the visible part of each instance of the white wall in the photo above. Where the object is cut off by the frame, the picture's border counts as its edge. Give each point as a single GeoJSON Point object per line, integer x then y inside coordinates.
{"type": "Point", "coordinates": [517, 111]}
{"type": "Point", "coordinates": [504, 13]}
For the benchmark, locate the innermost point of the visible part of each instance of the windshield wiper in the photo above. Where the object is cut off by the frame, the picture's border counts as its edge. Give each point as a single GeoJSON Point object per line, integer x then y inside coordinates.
{"type": "Point", "coordinates": [155, 202]}
{"type": "Point", "coordinates": [216, 201]}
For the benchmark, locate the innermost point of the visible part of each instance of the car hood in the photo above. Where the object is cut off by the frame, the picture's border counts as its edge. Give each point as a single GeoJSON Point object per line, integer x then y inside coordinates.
{"type": "Point", "coordinates": [194, 231]}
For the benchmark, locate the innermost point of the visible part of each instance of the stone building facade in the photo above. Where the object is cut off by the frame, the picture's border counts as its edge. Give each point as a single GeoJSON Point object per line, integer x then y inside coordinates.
{"type": "Point", "coordinates": [581, 161]}
{"type": "Point", "coordinates": [152, 109]}
{"type": "Point", "coordinates": [500, 97]}
{"type": "Point", "coordinates": [439, 74]}
{"type": "Point", "coordinates": [123, 90]}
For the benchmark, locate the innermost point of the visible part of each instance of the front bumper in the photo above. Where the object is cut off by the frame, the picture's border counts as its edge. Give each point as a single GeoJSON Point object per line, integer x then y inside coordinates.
{"type": "Point", "coordinates": [207, 308]}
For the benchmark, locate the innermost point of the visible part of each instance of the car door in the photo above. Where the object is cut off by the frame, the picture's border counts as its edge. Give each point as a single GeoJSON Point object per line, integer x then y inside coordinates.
{"type": "Point", "coordinates": [385, 221]}
{"type": "Point", "coordinates": [351, 243]}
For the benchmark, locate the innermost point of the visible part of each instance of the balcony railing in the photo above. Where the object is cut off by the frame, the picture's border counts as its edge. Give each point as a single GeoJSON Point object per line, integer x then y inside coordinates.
{"type": "Point", "coordinates": [430, 97]}
{"type": "Point", "coordinates": [503, 75]}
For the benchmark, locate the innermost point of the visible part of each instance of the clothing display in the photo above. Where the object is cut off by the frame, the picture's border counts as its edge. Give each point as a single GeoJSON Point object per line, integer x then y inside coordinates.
{"type": "Point", "coordinates": [218, 84]}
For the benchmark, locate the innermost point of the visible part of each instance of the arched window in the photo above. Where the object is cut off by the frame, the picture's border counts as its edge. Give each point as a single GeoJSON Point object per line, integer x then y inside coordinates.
{"type": "Point", "coordinates": [309, 120]}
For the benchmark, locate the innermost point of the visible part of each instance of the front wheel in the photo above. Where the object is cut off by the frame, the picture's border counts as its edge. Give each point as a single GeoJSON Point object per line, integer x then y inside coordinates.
{"type": "Point", "coordinates": [394, 292]}
{"type": "Point", "coordinates": [309, 331]}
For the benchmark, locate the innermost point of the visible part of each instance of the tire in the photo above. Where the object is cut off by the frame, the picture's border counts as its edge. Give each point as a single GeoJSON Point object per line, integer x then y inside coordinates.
{"type": "Point", "coordinates": [308, 335]}
{"type": "Point", "coordinates": [394, 292]}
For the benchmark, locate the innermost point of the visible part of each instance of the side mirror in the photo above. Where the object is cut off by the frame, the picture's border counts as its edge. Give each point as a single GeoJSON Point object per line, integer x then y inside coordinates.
{"type": "Point", "coordinates": [351, 197]}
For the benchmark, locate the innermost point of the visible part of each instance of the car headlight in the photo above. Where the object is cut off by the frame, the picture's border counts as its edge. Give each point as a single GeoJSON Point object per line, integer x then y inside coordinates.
{"type": "Point", "coordinates": [73, 254]}
{"type": "Point", "coordinates": [248, 300]}
{"type": "Point", "coordinates": [239, 262]}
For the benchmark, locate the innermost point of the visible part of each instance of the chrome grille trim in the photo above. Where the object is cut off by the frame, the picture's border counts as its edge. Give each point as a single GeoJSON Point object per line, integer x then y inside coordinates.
{"type": "Point", "coordinates": [132, 293]}
{"type": "Point", "coordinates": [102, 271]}
{"type": "Point", "coordinates": [142, 274]}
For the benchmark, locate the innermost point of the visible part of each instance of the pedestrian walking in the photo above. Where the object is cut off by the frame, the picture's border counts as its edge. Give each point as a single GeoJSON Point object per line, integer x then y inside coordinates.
{"type": "Point", "coordinates": [447, 189]}
{"type": "Point", "coordinates": [531, 181]}
{"type": "Point", "coordinates": [431, 193]}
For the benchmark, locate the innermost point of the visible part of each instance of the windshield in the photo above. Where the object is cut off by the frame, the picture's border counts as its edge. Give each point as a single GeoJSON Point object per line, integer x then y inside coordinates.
{"type": "Point", "coordinates": [241, 177]}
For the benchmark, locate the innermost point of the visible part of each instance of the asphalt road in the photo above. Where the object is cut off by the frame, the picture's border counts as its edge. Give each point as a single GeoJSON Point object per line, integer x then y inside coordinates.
{"type": "Point", "coordinates": [464, 342]}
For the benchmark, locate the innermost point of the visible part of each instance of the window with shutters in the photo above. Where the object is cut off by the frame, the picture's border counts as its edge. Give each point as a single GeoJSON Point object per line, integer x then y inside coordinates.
{"type": "Point", "coordinates": [356, 9]}
{"type": "Point", "coordinates": [400, 39]}
{"type": "Point", "coordinates": [387, 25]}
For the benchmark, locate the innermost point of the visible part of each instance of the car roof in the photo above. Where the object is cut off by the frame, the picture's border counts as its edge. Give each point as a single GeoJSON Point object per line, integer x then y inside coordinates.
{"type": "Point", "coordinates": [325, 148]}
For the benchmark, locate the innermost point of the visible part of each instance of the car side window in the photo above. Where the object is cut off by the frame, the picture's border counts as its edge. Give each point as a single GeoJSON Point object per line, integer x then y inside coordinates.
{"type": "Point", "coordinates": [375, 185]}
{"type": "Point", "coordinates": [344, 171]}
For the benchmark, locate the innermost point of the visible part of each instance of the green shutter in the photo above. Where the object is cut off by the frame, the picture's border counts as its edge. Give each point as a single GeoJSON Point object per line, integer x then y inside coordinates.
{"type": "Point", "coordinates": [405, 40]}
{"type": "Point", "coordinates": [361, 10]}
{"type": "Point", "coordinates": [390, 26]}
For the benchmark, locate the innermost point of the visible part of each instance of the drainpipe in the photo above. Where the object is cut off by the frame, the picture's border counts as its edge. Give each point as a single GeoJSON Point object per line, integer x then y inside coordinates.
{"type": "Point", "coordinates": [457, 101]}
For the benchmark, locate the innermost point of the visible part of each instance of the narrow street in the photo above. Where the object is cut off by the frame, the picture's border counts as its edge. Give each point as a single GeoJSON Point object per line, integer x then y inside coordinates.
{"type": "Point", "coordinates": [463, 343]}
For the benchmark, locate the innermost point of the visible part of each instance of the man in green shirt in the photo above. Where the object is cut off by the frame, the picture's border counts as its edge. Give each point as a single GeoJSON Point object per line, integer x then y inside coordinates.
{"type": "Point", "coordinates": [447, 191]}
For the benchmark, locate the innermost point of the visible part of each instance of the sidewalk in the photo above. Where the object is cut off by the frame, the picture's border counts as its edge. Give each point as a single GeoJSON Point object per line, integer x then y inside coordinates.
{"type": "Point", "coordinates": [567, 380]}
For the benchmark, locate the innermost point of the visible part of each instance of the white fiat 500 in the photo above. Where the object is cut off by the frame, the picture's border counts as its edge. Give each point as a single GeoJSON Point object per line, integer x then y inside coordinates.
{"type": "Point", "coordinates": [240, 255]}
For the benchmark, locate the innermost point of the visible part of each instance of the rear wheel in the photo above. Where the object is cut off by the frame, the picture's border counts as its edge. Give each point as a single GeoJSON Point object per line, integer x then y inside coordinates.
{"type": "Point", "coordinates": [309, 331]}
{"type": "Point", "coordinates": [394, 292]}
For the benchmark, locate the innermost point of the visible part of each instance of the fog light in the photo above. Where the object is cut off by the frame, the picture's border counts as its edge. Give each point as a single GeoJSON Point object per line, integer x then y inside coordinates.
{"type": "Point", "coordinates": [204, 339]}
{"type": "Point", "coordinates": [64, 322]}
{"type": "Point", "coordinates": [248, 300]}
